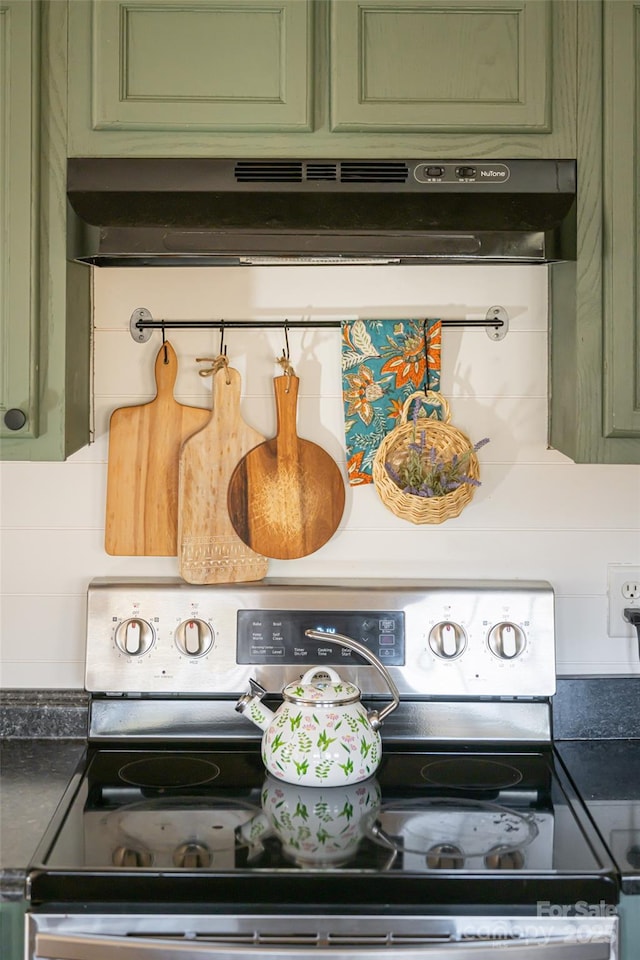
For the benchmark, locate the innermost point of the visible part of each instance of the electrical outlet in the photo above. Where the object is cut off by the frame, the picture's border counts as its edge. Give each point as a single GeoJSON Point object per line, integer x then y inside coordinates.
{"type": "Point", "coordinates": [631, 589]}
{"type": "Point", "coordinates": [624, 592]}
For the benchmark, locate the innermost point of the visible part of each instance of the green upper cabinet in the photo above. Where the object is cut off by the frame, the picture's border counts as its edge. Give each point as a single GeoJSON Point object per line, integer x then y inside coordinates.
{"type": "Point", "coordinates": [19, 191]}
{"type": "Point", "coordinates": [595, 303]}
{"type": "Point", "coordinates": [322, 77]}
{"type": "Point", "coordinates": [45, 315]}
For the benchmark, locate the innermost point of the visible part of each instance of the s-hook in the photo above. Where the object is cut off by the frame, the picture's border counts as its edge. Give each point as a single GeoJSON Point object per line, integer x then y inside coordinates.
{"type": "Point", "coordinates": [223, 347]}
{"type": "Point", "coordinates": [284, 360]}
{"type": "Point", "coordinates": [217, 362]}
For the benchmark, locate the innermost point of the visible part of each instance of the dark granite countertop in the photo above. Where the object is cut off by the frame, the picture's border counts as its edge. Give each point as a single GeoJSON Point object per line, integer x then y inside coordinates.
{"type": "Point", "coordinates": [42, 737]}
{"type": "Point", "coordinates": [596, 730]}
{"type": "Point", "coordinates": [35, 774]}
{"type": "Point", "coordinates": [607, 776]}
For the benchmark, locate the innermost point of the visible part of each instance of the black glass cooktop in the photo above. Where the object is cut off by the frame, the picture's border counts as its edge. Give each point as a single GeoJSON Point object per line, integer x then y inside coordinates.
{"type": "Point", "coordinates": [210, 825]}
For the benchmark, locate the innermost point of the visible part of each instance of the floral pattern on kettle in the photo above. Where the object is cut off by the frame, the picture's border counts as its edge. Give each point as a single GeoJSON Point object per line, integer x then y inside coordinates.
{"type": "Point", "coordinates": [341, 747]}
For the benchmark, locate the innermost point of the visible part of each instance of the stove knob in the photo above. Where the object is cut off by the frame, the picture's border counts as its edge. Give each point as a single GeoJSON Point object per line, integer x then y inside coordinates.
{"type": "Point", "coordinates": [192, 855]}
{"type": "Point", "coordinates": [194, 638]}
{"type": "Point", "coordinates": [506, 640]}
{"type": "Point", "coordinates": [445, 856]}
{"type": "Point", "coordinates": [134, 637]}
{"type": "Point", "coordinates": [131, 857]}
{"type": "Point", "coordinates": [499, 859]}
{"type": "Point", "coordinates": [447, 640]}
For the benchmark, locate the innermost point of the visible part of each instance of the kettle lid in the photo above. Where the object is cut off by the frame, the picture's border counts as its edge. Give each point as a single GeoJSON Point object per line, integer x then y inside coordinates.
{"type": "Point", "coordinates": [321, 686]}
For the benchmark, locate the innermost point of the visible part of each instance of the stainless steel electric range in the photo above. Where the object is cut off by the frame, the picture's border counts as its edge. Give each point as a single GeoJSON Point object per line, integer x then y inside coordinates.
{"type": "Point", "coordinates": [173, 842]}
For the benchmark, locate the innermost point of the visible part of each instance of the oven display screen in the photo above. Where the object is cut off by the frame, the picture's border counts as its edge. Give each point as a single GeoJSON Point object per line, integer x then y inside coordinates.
{"type": "Point", "coordinates": [277, 636]}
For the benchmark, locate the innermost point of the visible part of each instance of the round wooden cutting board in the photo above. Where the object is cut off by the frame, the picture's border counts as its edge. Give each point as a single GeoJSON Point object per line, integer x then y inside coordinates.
{"type": "Point", "coordinates": [286, 496]}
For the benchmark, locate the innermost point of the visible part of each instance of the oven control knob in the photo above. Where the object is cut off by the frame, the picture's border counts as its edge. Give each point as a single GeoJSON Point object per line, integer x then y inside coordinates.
{"type": "Point", "coordinates": [506, 640]}
{"type": "Point", "coordinates": [447, 640]}
{"type": "Point", "coordinates": [131, 857]}
{"type": "Point", "coordinates": [194, 638]}
{"type": "Point", "coordinates": [192, 854]}
{"type": "Point", "coordinates": [134, 637]}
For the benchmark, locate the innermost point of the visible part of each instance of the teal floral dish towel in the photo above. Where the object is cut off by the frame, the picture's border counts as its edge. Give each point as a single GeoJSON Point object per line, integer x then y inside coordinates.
{"type": "Point", "coordinates": [383, 361]}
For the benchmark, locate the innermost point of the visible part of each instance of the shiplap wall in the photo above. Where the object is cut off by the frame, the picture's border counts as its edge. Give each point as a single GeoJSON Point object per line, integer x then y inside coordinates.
{"type": "Point", "coordinates": [536, 515]}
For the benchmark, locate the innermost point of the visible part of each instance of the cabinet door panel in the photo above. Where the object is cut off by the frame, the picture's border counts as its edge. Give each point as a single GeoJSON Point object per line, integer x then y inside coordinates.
{"type": "Point", "coordinates": [621, 198]}
{"type": "Point", "coordinates": [198, 65]}
{"type": "Point", "coordinates": [424, 65]}
{"type": "Point", "coordinates": [18, 207]}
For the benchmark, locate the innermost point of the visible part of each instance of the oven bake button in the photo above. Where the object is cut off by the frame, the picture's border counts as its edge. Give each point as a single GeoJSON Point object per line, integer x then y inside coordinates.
{"type": "Point", "coordinates": [134, 637]}
{"type": "Point", "coordinates": [447, 640]}
{"type": "Point", "coordinates": [506, 640]}
{"type": "Point", "coordinates": [194, 638]}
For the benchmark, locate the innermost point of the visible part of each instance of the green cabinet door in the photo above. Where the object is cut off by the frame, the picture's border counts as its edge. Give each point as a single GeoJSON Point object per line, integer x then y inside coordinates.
{"type": "Point", "coordinates": [151, 74]}
{"type": "Point", "coordinates": [19, 192]}
{"type": "Point", "coordinates": [12, 925]}
{"type": "Point", "coordinates": [629, 910]}
{"type": "Point", "coordinates": [594, 303]}
{"type": "Point", "coordinates": [621, 210]}
{"type": "Point", "coordinates": [498, 68]}
{"type": "Point", "coordinates": [45, 308]}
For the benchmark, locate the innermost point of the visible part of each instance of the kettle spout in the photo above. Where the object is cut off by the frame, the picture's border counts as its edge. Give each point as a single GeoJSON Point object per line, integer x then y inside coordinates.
{"type": "Point", "coordinates": [251, 704]}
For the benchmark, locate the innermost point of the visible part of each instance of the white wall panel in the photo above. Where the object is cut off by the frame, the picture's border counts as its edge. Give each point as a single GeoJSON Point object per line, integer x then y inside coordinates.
{"type": "Point", "coordinates": [537, 514]}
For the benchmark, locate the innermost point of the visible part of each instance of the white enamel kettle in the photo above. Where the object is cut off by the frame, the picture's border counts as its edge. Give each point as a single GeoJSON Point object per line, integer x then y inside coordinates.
{"type": "Point", "coordinates": [321, 734]}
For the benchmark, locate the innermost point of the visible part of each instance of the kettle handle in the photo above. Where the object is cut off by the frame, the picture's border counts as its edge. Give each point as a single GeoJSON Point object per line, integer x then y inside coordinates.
{"type": "Point", "coordinates": [375, 716]}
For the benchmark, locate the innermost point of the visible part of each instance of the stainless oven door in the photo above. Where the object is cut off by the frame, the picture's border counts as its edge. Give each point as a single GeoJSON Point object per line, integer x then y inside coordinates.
{"type": "Point", "coordinates": [179, 937]}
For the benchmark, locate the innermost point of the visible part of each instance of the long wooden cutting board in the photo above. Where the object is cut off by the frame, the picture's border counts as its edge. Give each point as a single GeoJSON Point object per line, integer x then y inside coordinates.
{"type": "Point", "coordinates": [209, 549]}
{"type": "Point", "coordinates": [142, 471]}
{"type": "Point", "coordinates": [286, 496]}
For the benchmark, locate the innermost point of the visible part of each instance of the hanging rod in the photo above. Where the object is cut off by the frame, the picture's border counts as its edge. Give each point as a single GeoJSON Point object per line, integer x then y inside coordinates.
{"type": "Point", "coordinates": [496, 323]}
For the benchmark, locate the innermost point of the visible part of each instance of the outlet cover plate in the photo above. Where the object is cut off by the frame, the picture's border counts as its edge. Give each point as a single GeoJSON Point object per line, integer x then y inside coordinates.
{"type": "Point", "coordinates": [619, 574]}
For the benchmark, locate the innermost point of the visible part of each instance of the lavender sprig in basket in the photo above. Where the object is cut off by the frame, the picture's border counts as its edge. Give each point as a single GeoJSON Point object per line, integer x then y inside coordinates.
{"type": "Point", "coordinates": [426, 470]}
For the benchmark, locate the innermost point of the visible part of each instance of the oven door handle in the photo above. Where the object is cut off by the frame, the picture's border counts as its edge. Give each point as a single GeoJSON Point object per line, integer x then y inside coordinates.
{"type": "Point", "coordinates": [51, 946]}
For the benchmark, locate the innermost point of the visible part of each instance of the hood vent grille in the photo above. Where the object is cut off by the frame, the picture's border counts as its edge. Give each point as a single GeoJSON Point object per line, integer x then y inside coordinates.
{"type": "Point", "coordinates": [373, 172]}
{"type": "Point", "coordinates": [322, 171]}
{"type": "Point", "coordinates": [297, 171]}
{"type": "Point", "coordinates": [270, 171]}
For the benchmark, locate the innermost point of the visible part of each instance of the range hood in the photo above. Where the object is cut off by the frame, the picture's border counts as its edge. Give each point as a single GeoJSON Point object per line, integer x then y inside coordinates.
{"type": "Point", "coordinates": [207, 211]}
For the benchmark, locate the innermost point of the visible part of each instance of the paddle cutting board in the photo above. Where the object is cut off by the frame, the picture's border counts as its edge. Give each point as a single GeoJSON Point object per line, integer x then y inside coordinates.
{"type": "Point", "coordinates": [286, 496]}
{"type": "Point", "coordinates": [209, 549]}
{"type": "Point", "coordinates": [142, 469]}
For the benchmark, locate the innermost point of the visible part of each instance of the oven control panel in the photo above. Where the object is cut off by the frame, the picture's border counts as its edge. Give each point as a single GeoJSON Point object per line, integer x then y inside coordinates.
{"type": "Point", "coordinates": [439, 639]}
{"type": "Point", "coordinates": [278, 636]}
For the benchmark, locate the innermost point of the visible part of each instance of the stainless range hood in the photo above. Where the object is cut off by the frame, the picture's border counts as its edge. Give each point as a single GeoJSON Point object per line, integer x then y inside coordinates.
{"type": "Point", "coordinates": [208, 212]}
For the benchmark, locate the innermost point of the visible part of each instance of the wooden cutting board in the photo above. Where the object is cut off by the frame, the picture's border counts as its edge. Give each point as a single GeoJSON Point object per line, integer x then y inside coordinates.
{"type": "Point", "coordinates": [286, 496]}
{"type": "Point", "coordinates": [209, 549]}
{"type": "Point", "coordinates": [142, 471]}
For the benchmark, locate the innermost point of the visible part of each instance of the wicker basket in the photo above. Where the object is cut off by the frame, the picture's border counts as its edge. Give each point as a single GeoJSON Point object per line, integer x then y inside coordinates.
{"type": "Point", "coordinates": [447, 440]}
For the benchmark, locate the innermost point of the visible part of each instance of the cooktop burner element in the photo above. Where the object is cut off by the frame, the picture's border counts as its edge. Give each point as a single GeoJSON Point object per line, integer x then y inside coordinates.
{"type": "Point", "coordinates": [476, 773]}
{"type": "Point", "coordinates": [169, 772]}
